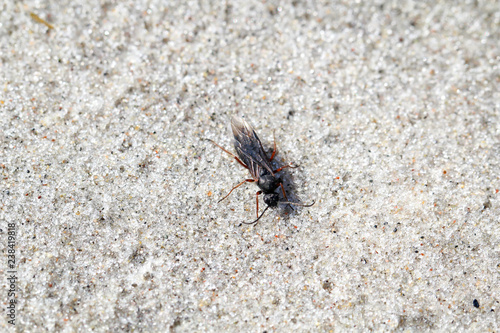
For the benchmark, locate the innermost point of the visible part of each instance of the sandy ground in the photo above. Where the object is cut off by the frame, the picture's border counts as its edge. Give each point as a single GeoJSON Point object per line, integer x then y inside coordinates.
{"type": "Point", "coordinates": [109, 192]}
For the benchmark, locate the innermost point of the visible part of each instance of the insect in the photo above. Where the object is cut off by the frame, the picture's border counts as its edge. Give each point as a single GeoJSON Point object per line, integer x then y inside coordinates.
{"type": "Point", "coordinates": [252, 156]}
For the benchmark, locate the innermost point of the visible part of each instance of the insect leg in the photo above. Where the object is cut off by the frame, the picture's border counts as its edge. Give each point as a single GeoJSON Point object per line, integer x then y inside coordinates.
{"type": "Point", "coordinates": [235, 157]}
{"type": "Point", "coordinates": [257, 199]}
{"type": "Point", "coordinates": [274, 151]}
{"type": "Point", "coordinates": [283, 190]}
{"type": "Point", "coordinates": [284, 194]}
{"type": "Point", "coordinates": [293, 203]}
{"type": "Point", "coordinates": [243, 182]}
{"type": "Point", "coordinates": [285, 166]}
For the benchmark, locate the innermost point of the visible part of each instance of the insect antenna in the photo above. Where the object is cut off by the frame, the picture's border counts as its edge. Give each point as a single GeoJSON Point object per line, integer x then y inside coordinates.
{"type": "Point", "coordinates": [297, 204]}
{"type": "Point", "coordinates": [258, 217]}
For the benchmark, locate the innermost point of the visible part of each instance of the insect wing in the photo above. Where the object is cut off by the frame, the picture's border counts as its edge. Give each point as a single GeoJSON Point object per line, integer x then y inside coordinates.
{"type": "Point", "coordinates": [249, 148]}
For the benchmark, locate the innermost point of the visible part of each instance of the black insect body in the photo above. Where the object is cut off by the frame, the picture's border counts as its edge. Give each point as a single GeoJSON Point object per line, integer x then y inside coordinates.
{"type": "Point", "coordinates": [252, 156]}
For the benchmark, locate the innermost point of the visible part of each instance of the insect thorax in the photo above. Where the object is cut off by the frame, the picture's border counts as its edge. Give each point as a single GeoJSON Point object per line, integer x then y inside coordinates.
{"type": "Point", "coordinates": [268, 183]}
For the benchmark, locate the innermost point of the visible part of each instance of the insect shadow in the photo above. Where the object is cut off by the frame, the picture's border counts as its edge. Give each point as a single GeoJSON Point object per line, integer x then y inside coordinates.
{"type": "Point", "coordinates": [252, 156]}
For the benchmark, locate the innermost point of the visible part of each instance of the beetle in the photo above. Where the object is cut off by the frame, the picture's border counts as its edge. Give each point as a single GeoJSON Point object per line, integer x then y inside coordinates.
{"type": "Point", "coordinates": [251, 155]}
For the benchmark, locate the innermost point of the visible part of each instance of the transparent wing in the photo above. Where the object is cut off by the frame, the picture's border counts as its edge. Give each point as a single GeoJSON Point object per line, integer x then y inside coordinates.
{"type": "Point", "coordinates": [249, 148]}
